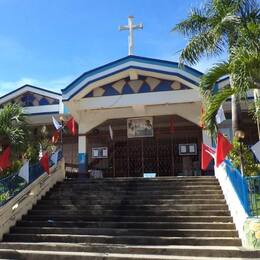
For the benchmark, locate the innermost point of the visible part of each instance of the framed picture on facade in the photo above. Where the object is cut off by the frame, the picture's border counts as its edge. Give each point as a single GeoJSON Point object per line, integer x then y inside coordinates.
{"type": "Point", "coordinates": [187, 149]}
{"type": "Point", "coordinates": [100, 152]}
{"type": "Point", "coordinates": [140, 127]}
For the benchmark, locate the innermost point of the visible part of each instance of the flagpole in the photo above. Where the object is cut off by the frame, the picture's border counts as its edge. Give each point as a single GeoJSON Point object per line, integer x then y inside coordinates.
{"type": "Point", "coordinates": [61, 134]}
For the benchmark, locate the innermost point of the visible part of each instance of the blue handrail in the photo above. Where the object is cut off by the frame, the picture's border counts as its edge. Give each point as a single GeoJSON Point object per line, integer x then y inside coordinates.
{"type": "Point", "coordinates": [239, 184]}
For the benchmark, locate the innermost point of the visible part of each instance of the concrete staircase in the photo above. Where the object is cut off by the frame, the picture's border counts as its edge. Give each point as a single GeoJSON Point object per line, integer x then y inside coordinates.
{"type": "Point", "coordinates": [128, 218]}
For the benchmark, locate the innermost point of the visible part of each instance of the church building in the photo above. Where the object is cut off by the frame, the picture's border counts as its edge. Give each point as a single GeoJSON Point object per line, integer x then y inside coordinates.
{"type": "Point", "coordinates": [135, 115]}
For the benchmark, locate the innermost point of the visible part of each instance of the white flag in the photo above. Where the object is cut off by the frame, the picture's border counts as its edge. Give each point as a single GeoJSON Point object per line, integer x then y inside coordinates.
{"type": "Point", "coordinates": [220, 116]}
{"type": "Point", "coordinates": [24, 171]}
{"type": "Point", "coordinates": [56, 124]}
{"type": "Point", "coordinates": [54, 157]}
{"type": "Point", "coordinates": [111, 132]}
{"type": "Point", "coordinates": [256, 150]}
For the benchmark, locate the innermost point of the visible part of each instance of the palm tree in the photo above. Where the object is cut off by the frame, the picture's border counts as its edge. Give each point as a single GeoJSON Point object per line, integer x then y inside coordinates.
{"type": "Point", "coordinates": [12, 125]}
{"type": "Point", "coordinates": [243, 66]}
{"type": "Point", "coordinates": [219, 26]}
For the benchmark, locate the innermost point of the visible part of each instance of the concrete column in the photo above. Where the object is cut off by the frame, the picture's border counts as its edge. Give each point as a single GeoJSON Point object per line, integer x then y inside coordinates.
{"type": "Point", "coordinates": [82, 153]}
{"type": "Point", "coordinates": [206, 139]}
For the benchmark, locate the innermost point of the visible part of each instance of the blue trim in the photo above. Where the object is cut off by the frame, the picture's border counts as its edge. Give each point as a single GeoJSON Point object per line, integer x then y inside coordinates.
{"type": "Point", "coordinates": [223, 79]}
{"type": "Point", "coordinates": [27, 85]}
{"type": "Point", "coordinates": [127, 59]}
{"type": "Point", "coordinates": [83, 159]}
{"type": "Point", "coordinates": [42, 113]}
{"type": "Point", "coordinates": [132, 67]}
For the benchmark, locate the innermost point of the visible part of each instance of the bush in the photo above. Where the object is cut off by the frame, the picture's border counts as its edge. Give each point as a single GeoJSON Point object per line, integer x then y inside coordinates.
{"type": "Point", "coordinates": [251, 168]}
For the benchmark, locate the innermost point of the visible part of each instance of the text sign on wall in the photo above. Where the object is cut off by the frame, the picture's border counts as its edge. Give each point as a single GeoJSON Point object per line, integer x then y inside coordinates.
{"type": "Point", "coordinates": [100, 152]}
{"type": "Point", "coordinates": [187, 149]}
{"type": "Point", "coordinates": [140, 127]}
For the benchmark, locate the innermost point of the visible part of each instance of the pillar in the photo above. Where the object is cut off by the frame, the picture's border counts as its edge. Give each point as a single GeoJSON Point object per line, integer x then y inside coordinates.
{"type": "Point", "coordinates": [206, 139]}
{"type": "Point", "coordinates": [82, 153]}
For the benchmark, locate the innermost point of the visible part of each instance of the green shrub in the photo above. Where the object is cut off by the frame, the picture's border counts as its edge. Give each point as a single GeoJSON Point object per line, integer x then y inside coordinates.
{"type": "Point", "coordinates": [251, 168]}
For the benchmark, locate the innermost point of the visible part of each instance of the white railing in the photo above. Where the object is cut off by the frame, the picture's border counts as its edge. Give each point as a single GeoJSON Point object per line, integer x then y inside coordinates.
{"type": "Point", "coordinates": [18, 206]}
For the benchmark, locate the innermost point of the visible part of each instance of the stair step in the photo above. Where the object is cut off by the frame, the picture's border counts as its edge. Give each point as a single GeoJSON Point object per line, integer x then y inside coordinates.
{"type": "Point", "coordinates": [116, 224]}
{"type": "Point", "coordinates": [191, 251]}
{"type": "Point", "coordinates": [131, 240]}
{"type": "Point", "coordinates": [127, 232]}
{"type": "Point", "coordinates": [43, 255]}
{"type": "Point", "coordinates": [86, 193]}
{"type": "Point", "coordinates": [95, 200]}
{"type": "Point", "coordinates": [125, 206]}
{"type": "Point", "coordinates": [131, 197]}
{"type": "Point", "coordinates": [118, 212]}
{"type": "Point", "coordinates": [182, 218]}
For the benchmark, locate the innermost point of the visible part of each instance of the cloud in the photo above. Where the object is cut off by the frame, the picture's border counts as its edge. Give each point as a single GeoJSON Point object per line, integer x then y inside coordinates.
{"type": "Point", "coordinates": [52, 84]}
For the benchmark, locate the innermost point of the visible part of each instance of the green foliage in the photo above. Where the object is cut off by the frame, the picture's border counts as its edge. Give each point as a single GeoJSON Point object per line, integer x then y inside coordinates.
{"type": "Point", "coordinates": [254, 109]}
{"type": "Point", "coordinates": [32, 152]}
{"type": "Point", "coordinates": [251, 168]}
{"type": "Point", "coordinates": [15, 167]}
{"type": "Point", "coordinates": [4, 196]}
{"type": "Point", "coordinates": [12, 124]}
{"type": "Point", "coordinates": [224, 26]}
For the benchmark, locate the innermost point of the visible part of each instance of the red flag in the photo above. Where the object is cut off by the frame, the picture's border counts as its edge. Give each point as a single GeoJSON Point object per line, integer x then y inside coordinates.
{"type": "Point", "coordinates": [5, 158]}
{"type": "Point", "coordinates": [55, 137]}
{"type": "Point", "coordinates": [206, 156]}
{"type": "Point", "coordinates": [223, 148]}
{"type": "Point", "coordinates": [172, 128]}
{"type": "Point", "coordinates": [71, 124]}
{"type": "Point", "coordinates": [202, 113]}
{"type": "Point", "coordinates": [44, 162]}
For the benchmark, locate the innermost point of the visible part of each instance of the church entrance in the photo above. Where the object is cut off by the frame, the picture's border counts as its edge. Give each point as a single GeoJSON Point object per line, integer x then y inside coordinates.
{"type": "Point", "coordinates": [173, 148]}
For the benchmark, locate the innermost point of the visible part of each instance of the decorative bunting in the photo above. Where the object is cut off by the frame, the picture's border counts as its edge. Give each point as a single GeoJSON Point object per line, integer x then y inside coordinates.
{"type": "Point", "coordinates": [55, 137]}
{"type": "Point", "coordinates": [202, 113]}
{"type": "Point", "coordinates": [54, 157]}
{"type": "Point", "coordinates": [56, 124]}
{"type": "Point", "coordinates": [72, 126]}
{"type": "Point", "coordinates": [220, 116]}
{"type": "Point", "coordinates": [207, 154]}
{"type": "Point", "coordinates": [44, 162]}
{"type": "Point", "coordinates": [256, 150]}
{"type": "Point", "coordinates": [111, 132]}
{"type": "Point", "coordinates": [5, 159]}
{"type": "Point", "coordinates": [172, 128]}
{"type": "Point", "coordinates": [223, 148]}
{"type": "Point", "coordinates": [24, 171]}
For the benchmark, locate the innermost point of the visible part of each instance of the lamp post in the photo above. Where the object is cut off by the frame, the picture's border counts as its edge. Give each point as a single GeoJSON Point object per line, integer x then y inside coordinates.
{"type": "Point", "coordinates": [61, 132]}
{"type": "Point", "coordinates": [240, 135]}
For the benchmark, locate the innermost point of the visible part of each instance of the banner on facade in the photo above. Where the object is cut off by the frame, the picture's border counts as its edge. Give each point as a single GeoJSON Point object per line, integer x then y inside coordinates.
{"type": "Point", "coordinates": [140, 127]}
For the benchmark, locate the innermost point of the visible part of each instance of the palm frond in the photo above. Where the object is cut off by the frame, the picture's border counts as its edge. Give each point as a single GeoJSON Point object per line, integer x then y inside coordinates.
{"type": "Point", "coordinates": [207, 43]}
{"type": "Point", "coordinates": [209, 80]}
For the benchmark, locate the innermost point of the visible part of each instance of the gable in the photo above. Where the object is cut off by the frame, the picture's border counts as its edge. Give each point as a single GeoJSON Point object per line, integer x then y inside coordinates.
{"type": "Point", "coordinates": [144, 84]}
{"type": "Point", "coordinates": [31, 99]}
{"type": "Point", "coordinates": [123, 68]}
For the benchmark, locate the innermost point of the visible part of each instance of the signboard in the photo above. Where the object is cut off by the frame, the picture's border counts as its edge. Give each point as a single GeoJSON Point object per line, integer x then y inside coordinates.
{"type": "Point", "coordinates": [187, 149]}
{"type": "Point", "coordinates": [140, 127]}
{"type": "Point", "coordinates": [100, 152]}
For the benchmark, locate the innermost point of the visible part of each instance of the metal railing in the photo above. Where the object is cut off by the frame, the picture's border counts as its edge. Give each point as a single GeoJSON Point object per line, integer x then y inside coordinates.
{"type": "Point", "coordinates": [253, 184]}
{"type": "Point", "coordinates": [11, 185]}
{"type": "Point", "coordinates": [247, 189]}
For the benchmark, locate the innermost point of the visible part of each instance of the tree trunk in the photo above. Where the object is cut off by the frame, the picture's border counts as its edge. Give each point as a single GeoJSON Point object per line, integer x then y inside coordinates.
{"type": "Point", "coordinates": [236, 114]}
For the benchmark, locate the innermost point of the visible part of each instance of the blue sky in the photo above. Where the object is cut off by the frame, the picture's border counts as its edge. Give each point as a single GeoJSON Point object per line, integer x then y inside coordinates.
{"type": "Point", "coordinates": [48, 43]}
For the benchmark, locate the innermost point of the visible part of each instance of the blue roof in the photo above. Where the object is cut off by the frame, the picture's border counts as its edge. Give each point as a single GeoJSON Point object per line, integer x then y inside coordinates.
{"type": "Point", "coordinates": [127, 59]}
{"type": "Point", "coordinates": [27, 85]}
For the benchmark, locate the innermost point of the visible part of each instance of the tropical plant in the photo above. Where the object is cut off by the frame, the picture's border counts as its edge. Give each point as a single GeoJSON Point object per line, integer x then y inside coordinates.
{"type": "Point", "coordinates": [12, 125]}
{"type": "Point", "coordinates": [241, 152]}
{"type": "Point", "coordinates": [230, 26]}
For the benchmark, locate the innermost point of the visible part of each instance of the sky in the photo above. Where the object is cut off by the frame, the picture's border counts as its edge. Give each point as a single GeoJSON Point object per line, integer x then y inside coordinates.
{"type": "Point", "coordinates": [49, 43]}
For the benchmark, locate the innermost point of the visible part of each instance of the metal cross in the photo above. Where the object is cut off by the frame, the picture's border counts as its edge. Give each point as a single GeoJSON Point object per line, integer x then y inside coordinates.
{"type": "Point", "coordinates": [131, 27]}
